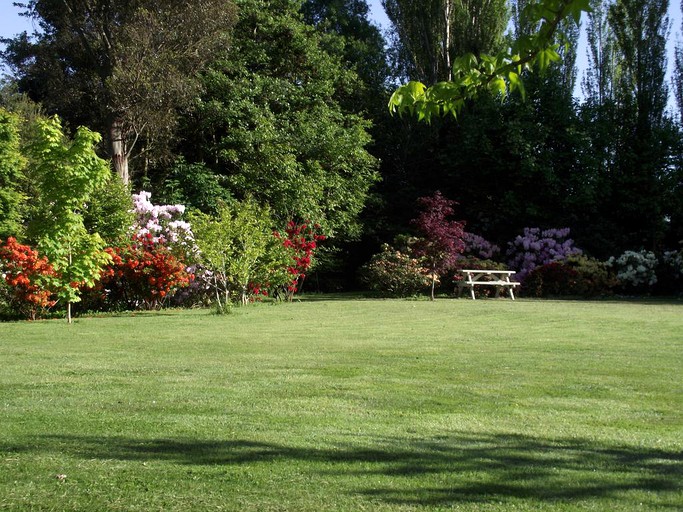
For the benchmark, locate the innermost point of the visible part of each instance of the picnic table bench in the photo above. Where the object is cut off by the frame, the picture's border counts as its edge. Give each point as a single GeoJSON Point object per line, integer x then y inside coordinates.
{"type": "Point", "coordinates": [498, 278]}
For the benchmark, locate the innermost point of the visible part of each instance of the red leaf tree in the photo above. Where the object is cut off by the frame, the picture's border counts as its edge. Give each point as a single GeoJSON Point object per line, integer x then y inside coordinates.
{"type": "Point", "coordinates": [441, 239]}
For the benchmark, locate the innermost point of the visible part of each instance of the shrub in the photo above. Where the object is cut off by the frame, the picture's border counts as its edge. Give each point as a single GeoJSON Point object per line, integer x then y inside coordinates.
{"type": "Point", "coordinates": [300, 241]}
{"type": "Point", "coordinates": [670, 272]}
{"type": "Point", "coordinates": [635, 271]}
{"type": "Point", "coordinates": [551, 279]}
{"type": "Point", "coordinates": [395, 274]}
{"type": "Point", "coordinates": [478, 247]}
{"type": "Point", "coordinates": [536, 247]}
{"type": "Point", "coordinates": [164, 224]}
{"type": "Point", "coordinates": [26, 276]}
{"type": "Point", "coordinates": [143, 275]}
{"type": "Point", "coordinates": [594, 277]}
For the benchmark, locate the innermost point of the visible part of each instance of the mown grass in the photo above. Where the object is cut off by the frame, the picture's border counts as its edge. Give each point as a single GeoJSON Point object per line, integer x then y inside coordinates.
{"type": "Point", "coordinates": [348, 405]}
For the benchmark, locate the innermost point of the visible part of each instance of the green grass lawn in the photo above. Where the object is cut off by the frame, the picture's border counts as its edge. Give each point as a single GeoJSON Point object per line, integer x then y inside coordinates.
{"type": "Point", "coordinates": [348, 405]}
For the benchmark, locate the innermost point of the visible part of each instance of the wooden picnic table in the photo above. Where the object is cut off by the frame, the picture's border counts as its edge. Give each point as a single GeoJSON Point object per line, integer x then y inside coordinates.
{"type": "Point", "coordinates": [498, 278]}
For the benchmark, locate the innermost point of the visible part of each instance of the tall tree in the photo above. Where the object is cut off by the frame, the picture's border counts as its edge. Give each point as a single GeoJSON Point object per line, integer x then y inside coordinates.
{"type": "Point", "coordinates": [67, 173]}
{"type": "Point", "coordinates": [432, 33]}
{"type": "Point", "coordinates": [598, 83]}
{"type": "Point", "coordinates": [272, 121]}
{"type": "Point", "coordinates": [11, 166]}
{"type": "Point", "coordinates": [122, 67]}
{"type": "Point", "coordinates": [641, 30]}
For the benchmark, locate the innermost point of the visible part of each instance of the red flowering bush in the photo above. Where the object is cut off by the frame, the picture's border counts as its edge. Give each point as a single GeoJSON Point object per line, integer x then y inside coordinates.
{"type": "Point", "coordinates": [26, 276]}
{"type": "Point", "coordinates": [142, 275]}
{"type": "Point", "coordinates": [301, 240]}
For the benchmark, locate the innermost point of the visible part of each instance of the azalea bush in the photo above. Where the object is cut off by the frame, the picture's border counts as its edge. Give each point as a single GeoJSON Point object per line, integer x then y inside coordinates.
{"type": "Point", "coordinates": [550, 280]}
{"type": "Point", "coordinates": [301, 242]}
{"type": "Point", "coordinates": [536, 247]}
{"type": "Point", "coordinates": [25, 276]}
{"type": "Point", "coordinates": [143, 274]}
{"type": "Point", "coordinates": [395, 274]}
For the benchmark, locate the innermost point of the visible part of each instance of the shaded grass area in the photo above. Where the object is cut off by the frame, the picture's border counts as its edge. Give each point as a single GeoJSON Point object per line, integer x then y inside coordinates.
{"type": "Point", "coordinates": [348, 405]}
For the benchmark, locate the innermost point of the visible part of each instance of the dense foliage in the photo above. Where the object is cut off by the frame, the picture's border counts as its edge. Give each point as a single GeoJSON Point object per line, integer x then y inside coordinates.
{"type": "Point", "coordinates": [252, 116]}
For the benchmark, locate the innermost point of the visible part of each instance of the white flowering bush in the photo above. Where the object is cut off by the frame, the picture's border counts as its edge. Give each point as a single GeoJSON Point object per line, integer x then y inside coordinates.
{"type": "Point", "coordinates": [163, 223]}
{"type": "Point", "coordinates": [635, 269]}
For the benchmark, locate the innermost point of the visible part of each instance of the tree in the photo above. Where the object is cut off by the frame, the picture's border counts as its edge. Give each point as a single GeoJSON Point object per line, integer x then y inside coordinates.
{"type": "Point", "coordinates": [235, 246]}
{"type": "Point", "coordinates": [470, 74]}
{"type": "Point", "coordinates": [66, 173]}
{"type": "Point", "coordinates": [122, 67]}
{"type": "Point", "coordinates": [640, 193]}
{"type": "Point", "coordinates": [431, 34]}
{"type": "Point", "coordinates": [271, 121]}
{"type": "Point", "coordinates": [441, 239]}
{"type": "Point", "coordinates": [11, 165]}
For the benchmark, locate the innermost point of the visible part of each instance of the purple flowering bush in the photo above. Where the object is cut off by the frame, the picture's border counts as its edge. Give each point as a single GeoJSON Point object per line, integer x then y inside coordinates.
{"type": "Point", "coordinates": [478, 247]}
{"type": "Point", "coordinates": [538, 247]}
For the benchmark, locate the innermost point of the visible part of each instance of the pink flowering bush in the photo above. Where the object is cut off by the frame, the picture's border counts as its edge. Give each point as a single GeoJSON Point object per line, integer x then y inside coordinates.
{"type": "Point", "coordinates": [163, 223]}
{"type": "Point", "coordinates": [538, 247]}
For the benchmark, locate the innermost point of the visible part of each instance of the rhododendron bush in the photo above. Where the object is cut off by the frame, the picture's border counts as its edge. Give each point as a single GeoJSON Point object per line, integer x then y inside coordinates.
{"type": "Point", "coordinates": [538, 247]}
{"type": "Point", "coordinates": [635, 270]}
{"type": "Point", "coordinates": [163, 223]}
{"type": "Point", "coordinates": [394, 273]}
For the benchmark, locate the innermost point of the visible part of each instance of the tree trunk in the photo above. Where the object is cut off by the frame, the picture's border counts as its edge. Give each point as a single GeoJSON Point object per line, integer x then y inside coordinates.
{"type": "Point", "coordinates": [119, 156]}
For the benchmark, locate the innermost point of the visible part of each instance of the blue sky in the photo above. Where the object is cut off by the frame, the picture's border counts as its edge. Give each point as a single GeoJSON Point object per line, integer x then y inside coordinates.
{"type": "Point", "coordinates": [11, 23]}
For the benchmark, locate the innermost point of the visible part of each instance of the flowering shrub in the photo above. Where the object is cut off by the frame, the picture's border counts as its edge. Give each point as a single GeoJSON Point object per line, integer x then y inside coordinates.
{"type": "Point", "coordinates": [26, 276]}
{"type": "Point", "coordinates": [537, 247]}
{"type": "Point", "coordinates": [301, 240]}
{"type": "Point", "coordinates": [395, 274]}
{"type": "Point", "coordinates": [142, 275]}
{"type": "Point", "coordinates": [162, 223]}
{"type": "Point", "coordinates": [635, 270]}
{"type": "Point", "coordinates": [479, 247]}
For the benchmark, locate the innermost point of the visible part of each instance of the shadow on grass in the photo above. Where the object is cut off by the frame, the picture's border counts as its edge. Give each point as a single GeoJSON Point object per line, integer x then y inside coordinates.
{"type": "Point", "coordinates": [466, 468]}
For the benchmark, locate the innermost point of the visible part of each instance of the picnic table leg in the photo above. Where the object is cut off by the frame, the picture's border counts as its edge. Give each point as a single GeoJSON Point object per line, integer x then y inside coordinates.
{"type": "Point", "coordinates": [472, 291]}
{"type": "Point", "coordinates": [512, 295]}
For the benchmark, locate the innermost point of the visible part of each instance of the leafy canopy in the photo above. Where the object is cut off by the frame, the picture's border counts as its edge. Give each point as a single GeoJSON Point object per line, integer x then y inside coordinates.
{"type": "Point", "coordinates": [500, 73]}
